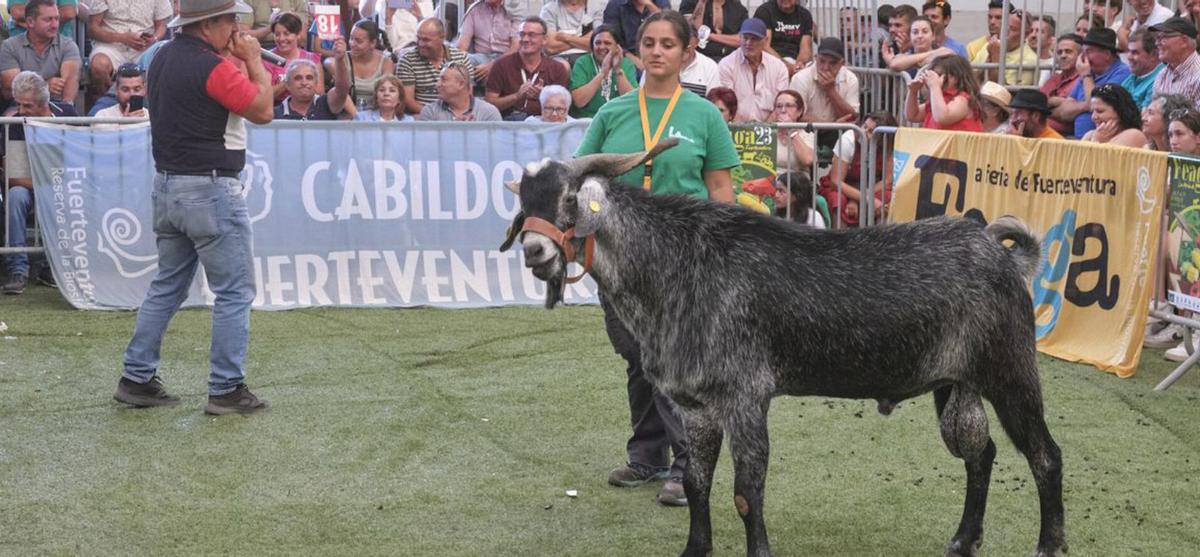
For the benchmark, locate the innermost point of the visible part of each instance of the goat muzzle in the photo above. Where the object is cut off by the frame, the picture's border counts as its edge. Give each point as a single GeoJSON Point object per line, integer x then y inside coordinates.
{"type": "Point", "coordinates": [562, 238]}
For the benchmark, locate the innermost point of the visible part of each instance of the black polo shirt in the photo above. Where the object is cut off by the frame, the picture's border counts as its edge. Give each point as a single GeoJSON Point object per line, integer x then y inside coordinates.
{"type": "Point", "coordinates": [317, 110]}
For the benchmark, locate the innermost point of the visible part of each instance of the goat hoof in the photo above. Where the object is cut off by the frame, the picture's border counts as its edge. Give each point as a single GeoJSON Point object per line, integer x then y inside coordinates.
{"type": "Point", "coordinates": [694, 552]}
{"type": "Point", "coordinates": [885, 406]}
{"type": "Point", "coordinates": [962, 548]}
{"type": "Point", "coordinates": [1054, 552]}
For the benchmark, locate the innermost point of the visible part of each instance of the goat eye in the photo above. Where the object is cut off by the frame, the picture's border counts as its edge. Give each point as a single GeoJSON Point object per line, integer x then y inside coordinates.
{"type": "Point", "coordinates": [571, 199]}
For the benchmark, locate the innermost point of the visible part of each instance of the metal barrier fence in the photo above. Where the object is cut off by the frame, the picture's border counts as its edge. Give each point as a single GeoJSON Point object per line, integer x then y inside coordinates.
{"type": "Point", "coordinates": [821, 167]}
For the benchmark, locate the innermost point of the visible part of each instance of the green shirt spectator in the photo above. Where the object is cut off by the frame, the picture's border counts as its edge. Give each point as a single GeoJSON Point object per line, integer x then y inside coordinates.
{"type": "Point", "coordinates": [584, 71]}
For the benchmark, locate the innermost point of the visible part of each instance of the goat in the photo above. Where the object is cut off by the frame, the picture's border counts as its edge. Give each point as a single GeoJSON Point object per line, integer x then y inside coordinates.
{"type": "Point", "coordinates": [940, 305]}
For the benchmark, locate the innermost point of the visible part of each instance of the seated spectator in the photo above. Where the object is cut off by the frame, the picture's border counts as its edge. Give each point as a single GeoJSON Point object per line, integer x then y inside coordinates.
{"type": "Point", "coordinates": [1098, 65]}
{"type": "Point", "coordinates": [287, 29]}
{"type": "Point", "coordinates": [953, 95]}
{"type": "Point", "coordinates": [420, 68]}
{"type": "Point", "coordinates": [1085, 24]}
{"type": "Point", "coordinates": [828, 88]}
{"type": "Point", "coordinates": [303, 101]}
{"type": "Point", "coordinates": [517, 79]}
{"type": "Point", "coordinates": [386, 103]}
{"type": "Point", "coordinates": [68, 10]}
{"type": "Point", "coordinates": [725, 100]}
{"type": "Point", "coordinates": [600, 76]}
{"type": "Point", "coordinates": [1143, 67]}
{"type": "Point", "coordinates": [555, 101]}
{"type": "Point", "coordinates": [1146, 13]}
{"type": "Point", "coordinates": [131, 82]}
{"type": "Point", "coordinates": [1184, 132]}
{"type": "Point", "coordinates": [369, 60]}
{"type": "Point", "coordinates": [722, 38]}
{"type": "Point", "coordinates": [43, 50]}
{"type": "Point", "coordinates": [1030, 115]}
{"type": "Point", "coordinates": [699, 73]}
{"type": "Point", "coordinates": [1062, 81]}
{"type": "Point", "coordinates": [1117, 119]}
{"type": "Point", "coordinates": [755, 78]}
{"type": "Point", "coordinates": [1154, 119]}
{"type": "Point", "coordinates": [842, 187]}
{"type": "Point", "coordinates": [570, 25]}
{"type": "Point", "coordinates": [31, 97]}
{"type": "Point", "coordinates": [993, 102]}
{"type": "Point", "coordinates": [921, 49]}
{"type": "Point", "coordinates": [626, 16]}
{"type": "Point", "coordinates": [455, 103]}
{"type": "Point", "coordinates": [488, 32]}
{"type": "Point", "coordinates": [995, 17]}
{"type": "Point", "coordinates": [789, 32]}
{"type": "Point", "coordinates": [1176, 43]}
{"type": "Point", "coordinates": [121, 30]}
{"type": "Point", "coordinates": [260, 22]}
{"type": "Point", "coordinates": [1019, 61]}
{"type": "Point", "coordinates": [939, 14]}
{"type": "Point", "coordinates": [794, 151]}
{"type": "Point", "coordinates": [794, 200]}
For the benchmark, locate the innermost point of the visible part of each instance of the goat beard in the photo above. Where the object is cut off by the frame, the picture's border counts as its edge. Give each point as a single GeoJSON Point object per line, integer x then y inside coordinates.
{"type": "Point", "coordinates": [554, 290]}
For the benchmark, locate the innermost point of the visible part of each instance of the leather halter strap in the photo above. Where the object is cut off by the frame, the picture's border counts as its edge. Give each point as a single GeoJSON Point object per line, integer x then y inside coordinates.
{"type": "Point", "coordinates": [562, 238]}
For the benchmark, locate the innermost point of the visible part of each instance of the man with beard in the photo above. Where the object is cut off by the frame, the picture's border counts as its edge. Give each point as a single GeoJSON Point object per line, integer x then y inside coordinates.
{"type": "Point", "coordinates": [421, 67]}
{"type": "Point", "coordinates": [131, 82]}
{"type": "Point", "coordinates": [1029, 115]}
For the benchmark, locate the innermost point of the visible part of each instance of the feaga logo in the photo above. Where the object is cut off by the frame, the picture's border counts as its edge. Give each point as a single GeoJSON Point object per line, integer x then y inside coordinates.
{"type": "Point", "coordinates": [119, 230]}
{"type": "Point", "coordinates": [257, 186]}
{"type": "Point", "coordinates": [1143, 188]}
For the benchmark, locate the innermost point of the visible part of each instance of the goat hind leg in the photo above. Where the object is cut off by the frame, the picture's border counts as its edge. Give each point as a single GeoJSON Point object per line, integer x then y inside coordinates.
{"type": "Point", "coordinates": [1021, 414]}
{"type": "Point", "coordinates": [978, 464]}
{"type": "Point", "coordinates": [750, 447]}
{"type": "Point", "coordinates": [704, 447]}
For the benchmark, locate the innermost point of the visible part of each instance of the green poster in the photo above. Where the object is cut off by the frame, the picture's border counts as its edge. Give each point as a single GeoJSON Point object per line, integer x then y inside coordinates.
{"type": "Point", "coordinates": [1183, 231]}
{"type": "Point", "coordinates": [756, 144]}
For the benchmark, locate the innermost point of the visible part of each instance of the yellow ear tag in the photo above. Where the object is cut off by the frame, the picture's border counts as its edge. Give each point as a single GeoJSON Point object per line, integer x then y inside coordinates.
{"type": "Point", "coordinates": [594, 206]}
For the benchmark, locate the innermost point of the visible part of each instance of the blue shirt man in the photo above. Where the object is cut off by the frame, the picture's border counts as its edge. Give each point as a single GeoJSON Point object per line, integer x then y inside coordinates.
{"type": "Point", "coordinates": [1142, 86]}
{"type": "Point", "coordinates": [627, 16]}
{"type": "Point", "coordinates": [1098, 50]}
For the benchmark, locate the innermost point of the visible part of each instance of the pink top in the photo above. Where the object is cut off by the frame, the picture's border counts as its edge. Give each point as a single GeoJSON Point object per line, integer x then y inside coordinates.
{"type": "Point", "coordinates": [277, 72]}
{"type": "Point", "coordinates": [969, 124]}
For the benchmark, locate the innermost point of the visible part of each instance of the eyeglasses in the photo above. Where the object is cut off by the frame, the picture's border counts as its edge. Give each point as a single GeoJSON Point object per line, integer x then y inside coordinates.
{"type": "Point", "coordinates": [553, 110]}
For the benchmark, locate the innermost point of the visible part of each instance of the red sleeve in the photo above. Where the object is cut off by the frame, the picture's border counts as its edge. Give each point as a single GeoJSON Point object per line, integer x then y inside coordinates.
{"type": "Point", "coordinates": [230, 87]}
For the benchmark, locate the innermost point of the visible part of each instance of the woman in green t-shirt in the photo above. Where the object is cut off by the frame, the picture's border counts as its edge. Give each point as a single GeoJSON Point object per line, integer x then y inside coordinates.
{"type": "Point", "coordinates": [601, 75]}
{"type": "Point", "coordinates": [698, 166]}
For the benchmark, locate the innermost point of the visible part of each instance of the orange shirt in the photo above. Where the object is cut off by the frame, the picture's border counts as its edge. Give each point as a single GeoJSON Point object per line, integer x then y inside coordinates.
{"type": "Point", "coordinates": [1049, 132]}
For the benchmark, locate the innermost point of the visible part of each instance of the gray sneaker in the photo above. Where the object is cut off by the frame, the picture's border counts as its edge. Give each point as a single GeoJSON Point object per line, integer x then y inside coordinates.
{"type": "Point", "coordinates": [16, 284]}
{"type": "Point", "coordinates": [238, 401]}
{"type": "Point", "coordinates": [144, 395]}
{"type": "Point", "coordinates": [672, 493]}
{"type": "Point", "coordinates": [634, 474]}
{"type": "Point", "coordinates": [1165, 335]}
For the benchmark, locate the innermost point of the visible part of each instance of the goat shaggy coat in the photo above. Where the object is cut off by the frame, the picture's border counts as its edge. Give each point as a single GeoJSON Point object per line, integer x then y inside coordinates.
{"type": "Point", "coordinates": [939, 305]}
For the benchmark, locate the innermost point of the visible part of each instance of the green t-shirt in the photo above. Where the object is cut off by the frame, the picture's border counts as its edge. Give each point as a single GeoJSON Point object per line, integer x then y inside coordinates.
{"type": "Point", "coordinates": [704, 141]}
{"type": "Point", "coordinates": [584, 71]}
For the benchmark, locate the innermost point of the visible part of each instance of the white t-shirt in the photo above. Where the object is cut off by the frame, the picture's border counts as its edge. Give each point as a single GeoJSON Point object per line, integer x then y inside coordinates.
{"type": "Point", "coordinates": [559, 19]}
{"type": "Point", "coordinates": [402, 29]}
{"type": "Point", "coordinates": [701, 73]}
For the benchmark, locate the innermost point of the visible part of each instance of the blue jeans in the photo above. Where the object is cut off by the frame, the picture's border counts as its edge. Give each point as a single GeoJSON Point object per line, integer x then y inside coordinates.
{"type": "Point", "coordinates": [198, 219]}
{"type": "Point", "coordinates": [18, 203]}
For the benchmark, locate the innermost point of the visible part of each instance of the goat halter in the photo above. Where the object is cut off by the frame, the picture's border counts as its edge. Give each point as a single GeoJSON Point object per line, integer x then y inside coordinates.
{"type": "Point", "coordinates": [562, 238]}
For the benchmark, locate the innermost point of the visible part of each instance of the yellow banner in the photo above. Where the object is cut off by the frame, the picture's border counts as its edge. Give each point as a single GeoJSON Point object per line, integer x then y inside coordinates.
{"type": "Point", "coordinates": [1097, 208]}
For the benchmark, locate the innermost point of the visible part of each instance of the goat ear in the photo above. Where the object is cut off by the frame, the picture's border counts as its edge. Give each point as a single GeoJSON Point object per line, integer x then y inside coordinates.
{"type": "Point", "coordinates": [513, 231]}
{"type": "Point", "coordinates": [616, 165]}
{"type": "Point", "coordinates": [513, 186]}
{"type": "Point", "coordinates": [591, 207]}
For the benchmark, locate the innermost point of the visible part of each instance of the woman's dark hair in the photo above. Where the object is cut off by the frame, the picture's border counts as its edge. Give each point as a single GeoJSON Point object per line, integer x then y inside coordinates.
{"type": "Point", "coordinates": [603, 28]}
{"type": "Point", "coordinates": [725, 95]}
{"type": "Point", "coordinates": [374, 34]}
{"type": "Point", "coordinates": [681, 27]}
{"type": "Point", "coordinates": [958, 67]}
{"type": "Point", "coordinates": [289, 21]}
{"type": "Point", "coordinates": [1188, 117]}
{"type": "Point", "coordinates": [802, 195]}
{"type": "Point", "coordinates": [1128, 115]}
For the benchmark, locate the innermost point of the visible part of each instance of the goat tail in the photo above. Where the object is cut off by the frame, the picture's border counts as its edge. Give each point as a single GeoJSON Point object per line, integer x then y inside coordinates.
{"type": "Point", "coordinates": [1026, 247]}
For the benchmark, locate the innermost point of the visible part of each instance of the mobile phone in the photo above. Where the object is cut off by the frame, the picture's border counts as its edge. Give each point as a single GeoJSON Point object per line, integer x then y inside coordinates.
{"type": "Point", "coordinates": [136, 103]}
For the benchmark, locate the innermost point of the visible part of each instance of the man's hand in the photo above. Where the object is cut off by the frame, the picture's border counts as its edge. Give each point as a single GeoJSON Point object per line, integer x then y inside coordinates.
{"type": "Point", "coordinates": [528, 90]}
{"type": "Point", "coordinates": [1017, 129]}
{"type": "Point", "coordinates": [139, 113]}
{"type": "Point", "coordinates": [1082, 66]}
{"type": "Point", "coordinates": [826, 81]}
{"type": "Point", "coordinates": [246, 48]}
{"type": "Point", "coordinates": [133, 40]}
{"type": "Point", "coordinates": [993, 48]}
{"type": "Point", "coordinates": [57, 86]}
{"type": "Point", "coordinates": [482, 71]}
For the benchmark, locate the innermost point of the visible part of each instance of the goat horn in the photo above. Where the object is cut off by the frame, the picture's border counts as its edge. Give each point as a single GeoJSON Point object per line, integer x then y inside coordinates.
{"type": "Point", "coordinates": [615, 165]}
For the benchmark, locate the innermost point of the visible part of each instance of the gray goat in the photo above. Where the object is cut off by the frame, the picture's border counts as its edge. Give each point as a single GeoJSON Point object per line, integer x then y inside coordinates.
{"type": "Point", "coordinates": [940, 305]}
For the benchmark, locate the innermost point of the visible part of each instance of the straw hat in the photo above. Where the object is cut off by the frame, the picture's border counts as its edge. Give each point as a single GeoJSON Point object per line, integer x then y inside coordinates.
{"type": "Point", "coordinates": [996, 94]}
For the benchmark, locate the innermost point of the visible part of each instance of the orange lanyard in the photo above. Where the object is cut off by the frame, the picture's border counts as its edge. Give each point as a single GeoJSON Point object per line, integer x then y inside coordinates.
{"type": "Point", "coordinates": [648, 141]}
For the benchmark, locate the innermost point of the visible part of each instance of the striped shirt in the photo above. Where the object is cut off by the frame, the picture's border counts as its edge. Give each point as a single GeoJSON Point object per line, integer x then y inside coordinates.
{"type": "Point", "coordinates": [1181, 80]}
{"type": "Point", "coordinates": [417, 72]}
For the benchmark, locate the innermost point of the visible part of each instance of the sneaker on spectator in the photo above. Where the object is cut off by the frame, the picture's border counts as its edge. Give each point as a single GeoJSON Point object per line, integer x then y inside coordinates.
{"type": "Point", "coordinates": [45, 277]}
{"type": "Point", "coordinates": [672, 493]}
{"type": "Point", "coordinates": [634, 474]}
{"type": "Point", "coordinates": [238, 401]}
{"type": "Point", "coordinates": [1162, 335]}
{"type": "Point", "coordinates": [16, 284]}
{"type": "Point", "coordinates": [1180, 353]}
{"type": "Point", "coordinates": [144, 395]}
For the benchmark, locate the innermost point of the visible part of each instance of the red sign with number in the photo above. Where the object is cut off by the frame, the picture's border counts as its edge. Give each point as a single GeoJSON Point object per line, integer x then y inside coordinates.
{"type": "Point", "coordinates": [329, 22]}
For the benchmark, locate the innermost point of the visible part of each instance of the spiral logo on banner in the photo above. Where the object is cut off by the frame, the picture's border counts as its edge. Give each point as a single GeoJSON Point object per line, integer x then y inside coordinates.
{"type": "Point", "coordinates": [1143, 187]}
{"type": "Point", "coordinates": [120, 229]}
{"type": "Point", "coordinates": [256, 186]}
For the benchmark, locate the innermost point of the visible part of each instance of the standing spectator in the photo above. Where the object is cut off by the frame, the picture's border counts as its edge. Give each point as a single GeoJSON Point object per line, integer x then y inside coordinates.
{"type": "Point", "coordinates": [369, 60]}
{"type": "Point", "coordinates": [1030, 115]}
{"type": "Point", "coordinates": [1177, 49]}
{"type": "Point", "coordinates": [1061, 82]}
{"type": "Point", "coordinates": [995, 16]}
{"type": "Point", "coordinates": [487, 34]}
{"type": "Point", "coordinates": [1041, 41]}
{"type": "Point", "coordinates": [121, 30]}
{"type": "Point", "coordinates": [68, 10]}
{"type": "Point", "coordinates": [754, 77]}
{"type": "Point", "coordinates": [43, 50]}
{"type": "Point", "coordinates": [131, 82]}
{"type": "Point", "coordinates": [600, 76]}
{"type": "Point", "coordinates": [287, 29]}
{"type": "Point", "coordinates": [387, 102]}
{"type": "Point", "coordinates": [1117, 119]}
{"type": "Point", "coordinates": [726, 102]}
{"type": "Point", "coordinates": [699, 73]}
{"type": "Point", "coordinates": [420, 68]}
{"type": "Point", "coordinates": [1184, 137]}
{"type": "Point", "coordinates": [259, 23]}
{"type": "Point", "coordinates": [1154, 122]}
{"type": "Point", "coordinates": [1146, 14]}
{"type": "Point", "coordinates": [1098, 65]}
{"type": "Point", "coordinates": [829, 89]}
{"type": "Point", "coordinates": [953, 95]}
{"type": "Point", "coordinates": [1019, 60]}
{"type": "Point", "coordinates": [570, 25]}
{"type": "Point", "coordinates": [1143, 67]}
{"type": "Point", "coordinates": [454, 102]}
{"type": "Point", "coordinates": [789, 32]}
{"type": "Point", "coordinates": [198, 138]}
{"type": "Point", "coordinates": [31, 97]}
{"type": "Point", "coordinates": [722, 18]}
{"type": "Point", "coordinates": [516, 79]}
{"type": "Point", "coordinates": [939, 13]}
{"type": "Point", "coordinates": [303, 102]}
{"type": "Point", "coordinates": [1190, 10]}
{"type": "Point", "coordinates": [555, 101]}
{"type": "Point", "coordinates": [900, 29]}
{"type": "Point", "coordinates": [1109, 11]}
{"type": "Point", "coordinates": [921, 49]}
{"type": "Point", "coordinates": [626, 17]}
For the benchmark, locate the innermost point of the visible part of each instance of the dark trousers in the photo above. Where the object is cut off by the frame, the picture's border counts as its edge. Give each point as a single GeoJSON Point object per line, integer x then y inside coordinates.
{"type": "Point", "coordinates": [653, 416]}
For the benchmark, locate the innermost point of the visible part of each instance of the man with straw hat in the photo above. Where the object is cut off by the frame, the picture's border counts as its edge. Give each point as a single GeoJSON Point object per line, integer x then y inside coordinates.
{"type": "Point", "coordinates": [198, 138]}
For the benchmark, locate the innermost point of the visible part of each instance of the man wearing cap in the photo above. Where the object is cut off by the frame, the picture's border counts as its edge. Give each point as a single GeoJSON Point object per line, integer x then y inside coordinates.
{"type": "Point", "coordinates": [1100, 64]}
{"type": "Point", "coordinates": [198, 139]}
{"type": "Point", "coordinates": [1177, 49]}
{"type": "Point", "coordinates": [829, 90]}
{"type": "Point", "coordinates": [1143, 66]}
{"type": "Point", "coordinates": [754, 77]}
{"type": "Point", "coordinates": [1029, 115]}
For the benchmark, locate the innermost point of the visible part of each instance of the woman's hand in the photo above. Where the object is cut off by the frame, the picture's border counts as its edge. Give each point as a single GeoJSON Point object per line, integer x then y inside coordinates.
{"type": "Point", "coordinates": [1106, 131]}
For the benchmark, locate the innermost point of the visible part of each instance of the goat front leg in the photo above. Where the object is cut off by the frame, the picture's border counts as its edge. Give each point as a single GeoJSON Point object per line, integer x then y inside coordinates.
{"type": "Point", "coordinates": [704, 447]}
{"type": "Point", "coordinates": [750, 446]}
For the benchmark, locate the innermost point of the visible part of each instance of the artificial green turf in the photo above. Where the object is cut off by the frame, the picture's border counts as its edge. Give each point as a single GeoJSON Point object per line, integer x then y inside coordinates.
{"type": "Point", "coordinates": [431, 432]}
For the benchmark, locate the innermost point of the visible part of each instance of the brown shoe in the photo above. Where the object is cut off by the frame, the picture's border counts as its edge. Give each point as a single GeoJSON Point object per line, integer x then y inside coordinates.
{"type": "Point", "coordinates": [634, 474]}
{"type": "Point", "coordinates": [237, 401]}
{"type": "Point", "coordinates": [144, 395]}
{"type": "Point", "coordinates": [672, 493]}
